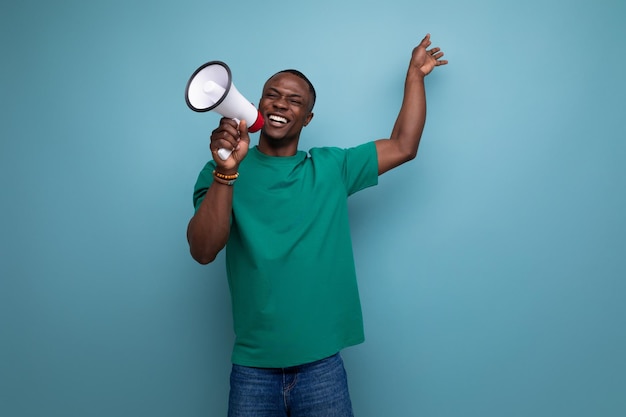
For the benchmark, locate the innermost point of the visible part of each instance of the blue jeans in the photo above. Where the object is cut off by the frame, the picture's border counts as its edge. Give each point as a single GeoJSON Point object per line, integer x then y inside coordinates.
{"type": "Point", "coordinates": [317, 389]}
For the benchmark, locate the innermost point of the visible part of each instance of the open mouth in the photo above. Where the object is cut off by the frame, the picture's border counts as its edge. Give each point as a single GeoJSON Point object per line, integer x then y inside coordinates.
{"type": "Point", "coordinates": [277, 119]}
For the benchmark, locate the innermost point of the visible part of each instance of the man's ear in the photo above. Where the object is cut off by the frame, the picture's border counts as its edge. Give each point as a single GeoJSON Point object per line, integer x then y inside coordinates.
{"type": "Point", "coordinates": [308, 119]}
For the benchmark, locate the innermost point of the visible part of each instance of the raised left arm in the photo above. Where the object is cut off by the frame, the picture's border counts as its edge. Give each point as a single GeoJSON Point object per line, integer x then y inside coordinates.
{"type": "Point", "coordinates": [407, 131]}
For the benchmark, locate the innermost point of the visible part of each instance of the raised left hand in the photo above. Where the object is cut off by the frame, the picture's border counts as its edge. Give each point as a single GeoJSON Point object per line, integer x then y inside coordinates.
{"type": "Point", "coordinates": [427, 59]}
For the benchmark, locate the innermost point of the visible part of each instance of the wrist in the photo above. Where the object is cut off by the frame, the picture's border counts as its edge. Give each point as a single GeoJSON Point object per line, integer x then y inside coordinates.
{"type": "Point", "coordinates": [415, 74]}
{"type": "Point", "coordinates": [223, 178]}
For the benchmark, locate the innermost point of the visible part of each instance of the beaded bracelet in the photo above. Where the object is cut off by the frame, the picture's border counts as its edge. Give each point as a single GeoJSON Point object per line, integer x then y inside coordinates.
{"type": "Point", "coordinates": [225, 176]}
{"type": "Point", "coordinates": [224, 179]}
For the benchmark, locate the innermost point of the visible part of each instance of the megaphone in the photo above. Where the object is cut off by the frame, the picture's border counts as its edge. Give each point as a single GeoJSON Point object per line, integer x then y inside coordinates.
{"type": "Point", "coordinates": [211, 88]}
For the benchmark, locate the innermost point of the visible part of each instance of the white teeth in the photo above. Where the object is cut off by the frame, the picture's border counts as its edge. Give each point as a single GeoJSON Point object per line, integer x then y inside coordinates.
{"type": "Point", "coordinates": [278, 119]}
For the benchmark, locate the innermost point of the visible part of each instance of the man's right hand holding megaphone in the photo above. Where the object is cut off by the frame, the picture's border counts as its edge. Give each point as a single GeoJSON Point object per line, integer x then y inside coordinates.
{"type": "Point", "coordinates": [231, 135]}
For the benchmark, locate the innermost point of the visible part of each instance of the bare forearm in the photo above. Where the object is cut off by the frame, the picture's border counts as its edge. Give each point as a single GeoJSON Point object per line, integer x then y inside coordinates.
{"type": "Point", "coordinates": [409, 125]}
{"type": "Point", "coordinates": [209, 228]}
{"type": "Point", "coordinates": [405, 136]}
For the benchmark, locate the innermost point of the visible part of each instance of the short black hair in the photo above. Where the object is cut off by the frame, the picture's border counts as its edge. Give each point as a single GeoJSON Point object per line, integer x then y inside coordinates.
{"type": "Point", "coordinates": [301, 75]}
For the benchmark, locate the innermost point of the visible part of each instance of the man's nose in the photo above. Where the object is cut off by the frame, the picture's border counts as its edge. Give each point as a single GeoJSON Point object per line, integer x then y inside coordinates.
{"type": "Point", "coordinates": [280, 102]}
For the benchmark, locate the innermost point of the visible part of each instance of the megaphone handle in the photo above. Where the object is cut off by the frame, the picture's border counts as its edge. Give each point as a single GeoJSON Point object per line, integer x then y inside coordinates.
{"type": "Point", "coordinates": [224, 154]}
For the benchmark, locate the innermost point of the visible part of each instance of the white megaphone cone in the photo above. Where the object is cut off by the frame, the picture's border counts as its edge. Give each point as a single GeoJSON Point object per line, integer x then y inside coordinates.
{"type": "Point", "coordinates": [211, 88]}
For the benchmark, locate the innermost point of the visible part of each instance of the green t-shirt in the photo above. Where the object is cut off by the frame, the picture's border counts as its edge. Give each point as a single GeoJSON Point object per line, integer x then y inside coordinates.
{"type": "Point", "coordinates": [289, 256]}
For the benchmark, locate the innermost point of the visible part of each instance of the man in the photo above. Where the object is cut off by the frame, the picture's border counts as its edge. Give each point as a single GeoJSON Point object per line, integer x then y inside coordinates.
{"type": "Point", "coordinates": [282, 215]}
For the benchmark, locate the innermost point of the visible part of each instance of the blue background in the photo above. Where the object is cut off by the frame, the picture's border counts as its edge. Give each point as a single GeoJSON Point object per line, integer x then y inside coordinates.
{"type": "Point", "coordinates": [492, 268]}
